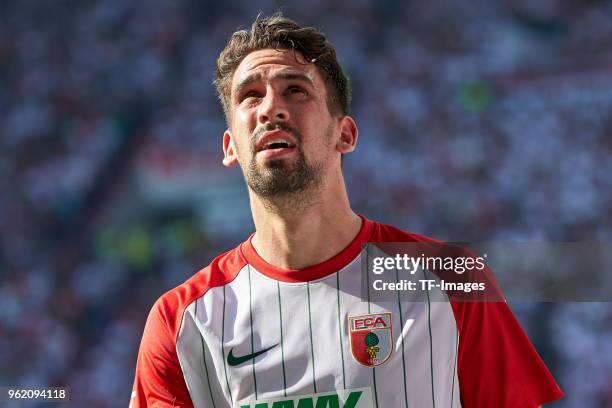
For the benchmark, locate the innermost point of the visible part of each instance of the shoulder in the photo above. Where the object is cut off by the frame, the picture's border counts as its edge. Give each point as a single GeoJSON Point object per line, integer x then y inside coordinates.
{"type": "Point", "coordinates": [221, 271]}
{"type": "Point", "coordinates": [389, 233]}
{"type": "Point", "coordinates": [159, 379]}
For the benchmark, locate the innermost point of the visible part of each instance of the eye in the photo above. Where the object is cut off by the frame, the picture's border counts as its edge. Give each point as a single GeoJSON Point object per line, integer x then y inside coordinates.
{"type": "Point", "coordinates": [296, 90]}
{"type": "Point", "coordinates": [249, 94]}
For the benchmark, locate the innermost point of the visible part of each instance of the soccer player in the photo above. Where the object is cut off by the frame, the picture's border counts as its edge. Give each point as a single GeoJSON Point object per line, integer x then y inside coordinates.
{"type": "Point", "coordinates": [278, 322]}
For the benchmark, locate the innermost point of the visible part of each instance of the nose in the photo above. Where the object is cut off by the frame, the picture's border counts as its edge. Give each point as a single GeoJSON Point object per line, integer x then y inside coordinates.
{"type": "Point", "coordinates": [272, 108]}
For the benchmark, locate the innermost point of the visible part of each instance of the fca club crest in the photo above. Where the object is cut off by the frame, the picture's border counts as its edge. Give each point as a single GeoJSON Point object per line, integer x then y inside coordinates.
{"type": "Point", "coordinates": [371, 338]}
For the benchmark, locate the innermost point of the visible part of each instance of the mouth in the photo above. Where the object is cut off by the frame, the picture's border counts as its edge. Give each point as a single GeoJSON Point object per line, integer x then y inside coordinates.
{"type": "Point", "coordinates": [277, 144]}
{"type": "Point", "coordinates": [273, 144]}
{"type": "Point", "coordinates": [276, 150]}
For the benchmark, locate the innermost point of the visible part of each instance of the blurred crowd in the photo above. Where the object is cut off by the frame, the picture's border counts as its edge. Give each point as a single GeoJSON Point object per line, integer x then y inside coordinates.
{"type": "Point", "coordinates": [487, 122]}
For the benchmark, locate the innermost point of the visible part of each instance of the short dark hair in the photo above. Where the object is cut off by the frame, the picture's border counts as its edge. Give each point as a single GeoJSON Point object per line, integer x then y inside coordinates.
{"type": "Point", "coordinates": [279, 32]}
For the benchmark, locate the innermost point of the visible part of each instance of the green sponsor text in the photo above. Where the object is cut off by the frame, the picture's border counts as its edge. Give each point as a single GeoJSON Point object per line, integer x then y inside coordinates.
{"type": "Point", "coordinates": [323, 401]}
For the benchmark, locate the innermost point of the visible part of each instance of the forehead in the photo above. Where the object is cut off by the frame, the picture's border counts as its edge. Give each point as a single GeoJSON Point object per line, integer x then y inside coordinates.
{"type": "Point", "coordinates": [268, 62]}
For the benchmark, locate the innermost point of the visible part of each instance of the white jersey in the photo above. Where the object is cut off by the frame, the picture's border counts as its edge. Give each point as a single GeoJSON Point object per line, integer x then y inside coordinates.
{"type": "Point", "coordinates": [243, 333]}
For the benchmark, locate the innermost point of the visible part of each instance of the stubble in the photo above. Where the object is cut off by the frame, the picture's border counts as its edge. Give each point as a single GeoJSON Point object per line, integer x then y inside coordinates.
{"type": "Point", "coordinates": [283, 185]}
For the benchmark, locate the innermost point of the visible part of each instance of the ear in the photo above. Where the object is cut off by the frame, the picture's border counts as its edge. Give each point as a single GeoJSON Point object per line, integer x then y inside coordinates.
{"type": "Point", "coordinates": [230, 158]}
{"type": "Point", "coordinates": [348, 135]}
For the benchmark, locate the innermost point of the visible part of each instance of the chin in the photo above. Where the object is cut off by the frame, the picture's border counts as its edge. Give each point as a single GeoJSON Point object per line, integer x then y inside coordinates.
{"type": "Point", "coordinates": [276, 164]}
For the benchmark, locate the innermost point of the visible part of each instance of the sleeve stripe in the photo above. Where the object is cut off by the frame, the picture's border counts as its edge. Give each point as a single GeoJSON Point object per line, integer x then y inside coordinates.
{"type": "Point", "coordinates": [401, 317]}
{"type": "Point", "coordinates": [222, 350]}
{"type": "Point", "coordinates": [370, 311]}
{"type": "Point", "coordinates": [204, 358]}
{"type": "Point", "coordinates": [433, 393]}
{"type": "Point", "coordinates": [280, 320]}
{"type": "Point", "coordinates": [314, 378]}
{"type": "Point", "coordinates": [340, 330]}
{"type": "Point", "coordinates": [252, 337]}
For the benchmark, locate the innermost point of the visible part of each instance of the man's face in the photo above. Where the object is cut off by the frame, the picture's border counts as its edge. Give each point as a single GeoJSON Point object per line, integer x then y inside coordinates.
{"type": "Point", "coordinates": [281, 131]}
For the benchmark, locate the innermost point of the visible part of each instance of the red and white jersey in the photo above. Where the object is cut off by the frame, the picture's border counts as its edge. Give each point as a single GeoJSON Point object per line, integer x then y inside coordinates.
{"type": "Point", "coordinates": [244, 333]}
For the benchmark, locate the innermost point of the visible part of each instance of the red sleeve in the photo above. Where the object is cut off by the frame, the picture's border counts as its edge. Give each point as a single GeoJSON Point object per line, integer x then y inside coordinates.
{"type": "Point", "coordinates": [159, 380]}
{"type": "Point", "coordinates": [497, 364]}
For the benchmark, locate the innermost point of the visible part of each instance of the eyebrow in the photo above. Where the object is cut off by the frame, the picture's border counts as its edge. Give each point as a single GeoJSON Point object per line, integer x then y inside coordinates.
{"type": "Point", "coordinates": [283, 75]}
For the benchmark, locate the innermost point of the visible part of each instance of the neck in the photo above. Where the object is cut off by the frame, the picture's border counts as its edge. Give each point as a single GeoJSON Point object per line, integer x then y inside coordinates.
{"type": "Point", "coordinates": [294, 233]}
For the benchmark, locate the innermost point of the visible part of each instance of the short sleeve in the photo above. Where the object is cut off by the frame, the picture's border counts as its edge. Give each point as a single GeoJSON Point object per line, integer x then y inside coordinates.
{"type": "Point", "coordinates": [497, 364]}
{"type": "Point", "coordinates": [159, 380]}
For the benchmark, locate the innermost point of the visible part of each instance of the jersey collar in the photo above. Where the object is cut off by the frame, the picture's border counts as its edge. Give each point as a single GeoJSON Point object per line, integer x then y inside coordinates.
{"type": "Point", "coordinates": [314, 272]}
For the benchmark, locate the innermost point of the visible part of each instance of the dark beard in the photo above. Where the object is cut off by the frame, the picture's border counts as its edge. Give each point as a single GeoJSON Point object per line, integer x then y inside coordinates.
{"type": "Point", "coordinates": [279, 178]}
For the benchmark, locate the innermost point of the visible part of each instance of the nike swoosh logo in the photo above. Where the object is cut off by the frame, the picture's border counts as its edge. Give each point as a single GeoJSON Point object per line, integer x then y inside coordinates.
{"type": "Point", "coordinates": [234, 361]}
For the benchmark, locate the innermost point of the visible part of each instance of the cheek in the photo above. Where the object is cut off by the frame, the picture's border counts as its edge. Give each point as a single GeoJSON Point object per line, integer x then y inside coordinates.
{"type": "Point", "coordinates": [243, 150]}
{"type": "Point", "coordinates": [320, 147]}
{"type": "Point", "coordinates": [242, 129]}
{"type": "Point", "coordinates": [244, 119]}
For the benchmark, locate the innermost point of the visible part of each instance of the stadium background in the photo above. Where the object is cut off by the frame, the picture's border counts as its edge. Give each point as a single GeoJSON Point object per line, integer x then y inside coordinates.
{"type": "Point", "coordinates": [478, 120]}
